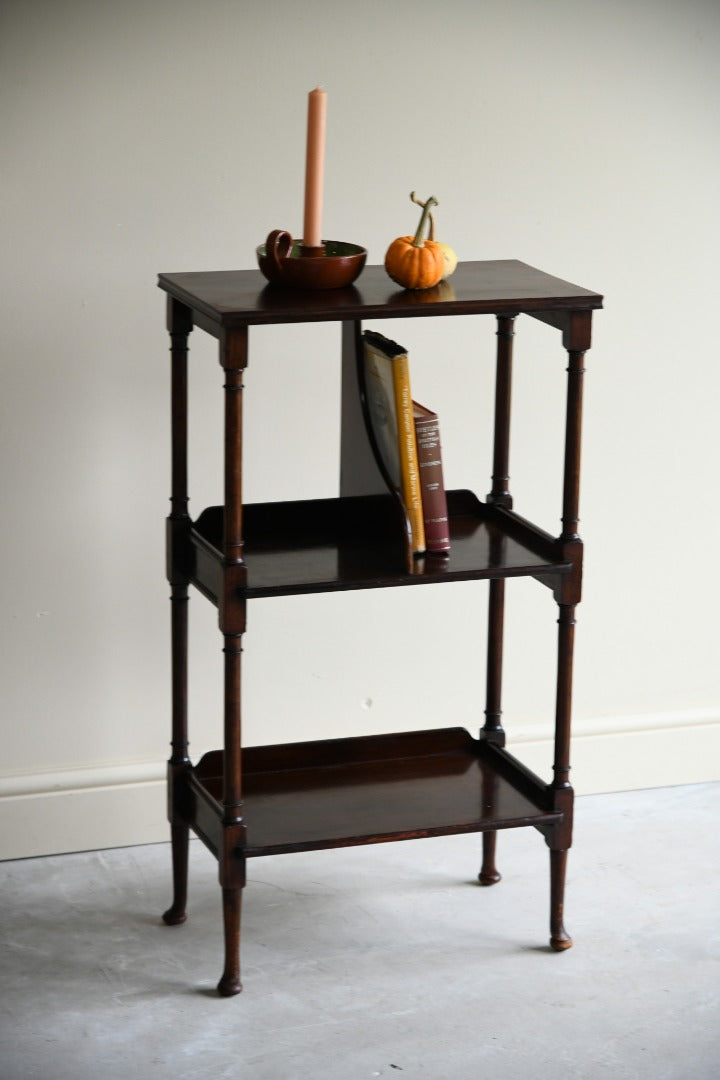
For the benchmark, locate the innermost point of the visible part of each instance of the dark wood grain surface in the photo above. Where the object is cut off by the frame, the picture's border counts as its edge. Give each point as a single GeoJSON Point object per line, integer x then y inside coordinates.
{"type": "Point", "coordinates": [233, 297]}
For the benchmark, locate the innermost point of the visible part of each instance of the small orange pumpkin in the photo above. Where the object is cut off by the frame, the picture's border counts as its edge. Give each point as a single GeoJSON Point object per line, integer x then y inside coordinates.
{"type": "Point", "coordinates": [413, 262]}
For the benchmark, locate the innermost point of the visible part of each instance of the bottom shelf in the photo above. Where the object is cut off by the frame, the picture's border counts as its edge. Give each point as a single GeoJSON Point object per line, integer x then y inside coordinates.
{"type": "Point", "coordinates": [341, 792]}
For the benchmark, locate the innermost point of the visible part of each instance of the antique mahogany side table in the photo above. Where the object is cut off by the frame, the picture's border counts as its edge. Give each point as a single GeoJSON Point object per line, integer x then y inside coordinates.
{"type": "Point", "coordinates": [262, 800]}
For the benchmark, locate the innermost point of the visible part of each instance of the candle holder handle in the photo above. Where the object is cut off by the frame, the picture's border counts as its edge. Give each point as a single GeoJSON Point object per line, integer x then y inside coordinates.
{"type": "Point", "coordinates": [278, 245]}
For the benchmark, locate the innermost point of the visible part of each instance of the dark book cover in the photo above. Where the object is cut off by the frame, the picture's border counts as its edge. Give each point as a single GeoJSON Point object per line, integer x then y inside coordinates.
{"type": "Point", "coordinates": [432, 486]}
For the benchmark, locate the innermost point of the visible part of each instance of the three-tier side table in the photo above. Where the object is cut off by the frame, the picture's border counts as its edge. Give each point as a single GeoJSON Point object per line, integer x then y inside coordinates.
{"type": "Point", "coordinates": [245, 802]}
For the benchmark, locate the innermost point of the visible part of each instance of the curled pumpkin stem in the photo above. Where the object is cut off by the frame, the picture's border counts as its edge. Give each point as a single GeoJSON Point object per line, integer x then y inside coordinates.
{"type": "Point", "coordinates": [419, 202]}
{"type": "Point", "coordinates": [418, 240]}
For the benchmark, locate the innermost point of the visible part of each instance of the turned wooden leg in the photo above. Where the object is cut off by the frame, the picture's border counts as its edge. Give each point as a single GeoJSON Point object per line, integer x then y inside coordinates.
{"type": "Point", "coordinates": [576, 338]}
{"type": "Point", "coordinates": [492, 730]}
{"type": "Point", "coordinates": [559, 937]}
{"type": "Point", "coordinates": [177, 913]}
{"type": "Point", "coordinates": [179, 762]}
{"type": "Point", "coordinates": [231, 856]}
{"type": "Point", "coordinates": [232, 619]}
{"type": "Point", "coordinates": [489, 874]}
{"type": "Point", "coordinates": [498, 496]}
{"type": "Point", "coordinates": [179, 322]}
{"type": "Point", "coordinates": [560, 838]}
{"type": "Point", "coordinates": [230, 982]}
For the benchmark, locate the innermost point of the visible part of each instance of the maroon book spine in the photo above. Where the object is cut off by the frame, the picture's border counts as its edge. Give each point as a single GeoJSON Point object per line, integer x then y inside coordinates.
{"type": "Point", "coordinates": [432, 486]}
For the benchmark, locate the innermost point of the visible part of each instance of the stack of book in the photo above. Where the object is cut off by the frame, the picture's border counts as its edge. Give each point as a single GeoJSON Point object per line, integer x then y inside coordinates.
{"type": "Point", "coordinates": [406, 439]}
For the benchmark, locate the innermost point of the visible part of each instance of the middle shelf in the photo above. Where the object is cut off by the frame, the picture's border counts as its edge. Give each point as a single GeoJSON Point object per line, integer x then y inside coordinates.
{"type": "Point", "coordinates": [329, 545]}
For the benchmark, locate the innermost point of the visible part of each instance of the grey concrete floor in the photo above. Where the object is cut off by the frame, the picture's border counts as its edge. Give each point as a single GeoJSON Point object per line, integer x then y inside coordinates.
{"type": "Point", "coordinates": [386, 961]}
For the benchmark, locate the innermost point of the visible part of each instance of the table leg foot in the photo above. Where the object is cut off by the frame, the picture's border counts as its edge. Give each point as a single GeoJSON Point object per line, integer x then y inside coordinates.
{"type": "Point", "coordinates": [174, 917]}
{"type": "Point", "coordinates": [229, 986]}
{"type": "Point", "coordinates": [560, 940]}
{"type": "Point", "coordinates": [176, 913]}
{"type": "Point", "coordinates": [489, 874]}
{"type": "Point", "coordinates": [230, 982]}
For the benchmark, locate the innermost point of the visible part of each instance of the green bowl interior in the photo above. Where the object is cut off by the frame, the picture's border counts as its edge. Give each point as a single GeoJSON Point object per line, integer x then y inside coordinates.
{"type": "Point", "coordinates": [332, 247]}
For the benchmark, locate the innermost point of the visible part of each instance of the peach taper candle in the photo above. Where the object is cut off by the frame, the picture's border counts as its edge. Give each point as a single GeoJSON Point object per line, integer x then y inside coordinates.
{"type": "Point", "coordinates": [314, 168]}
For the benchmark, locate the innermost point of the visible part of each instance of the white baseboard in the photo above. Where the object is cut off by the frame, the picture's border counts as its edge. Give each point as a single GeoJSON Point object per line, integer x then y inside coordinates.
{"type": "Point", "coordinates": [82, 810]}
{"type": "Point", "coordinates": [119, 806]}
{"type": "Point", "coordinates": [625, 753]}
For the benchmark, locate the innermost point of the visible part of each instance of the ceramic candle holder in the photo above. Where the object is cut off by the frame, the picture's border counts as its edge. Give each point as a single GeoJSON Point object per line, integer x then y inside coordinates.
{"type": "Point", "coordinates": [285, 261]}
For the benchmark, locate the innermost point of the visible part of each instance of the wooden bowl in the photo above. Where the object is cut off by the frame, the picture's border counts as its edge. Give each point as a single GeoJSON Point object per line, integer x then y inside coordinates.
{"type": "Point", "coordinates": [285, 261]}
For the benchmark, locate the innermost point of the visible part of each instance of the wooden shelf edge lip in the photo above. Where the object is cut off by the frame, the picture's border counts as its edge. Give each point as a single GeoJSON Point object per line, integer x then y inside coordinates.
{"type": "Point", "coordinates": [351, 750]}
{"type": "Point", "coordinates": [532, 536]}
{"type": "Point", "coordinates": [519, 775]}
{"type": "Point", "coordinates": [369, 311]}
{"type": "Point", "coordinates": [396, 836]}
{"type": "Point", "coordinates": [205, 818]}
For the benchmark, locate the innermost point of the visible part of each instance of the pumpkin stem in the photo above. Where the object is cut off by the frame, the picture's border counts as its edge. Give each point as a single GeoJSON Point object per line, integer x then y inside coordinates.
{"type": "Point", "coordinates": [419, 202]}
{"type": "Point", "coordinates": [418, 240]}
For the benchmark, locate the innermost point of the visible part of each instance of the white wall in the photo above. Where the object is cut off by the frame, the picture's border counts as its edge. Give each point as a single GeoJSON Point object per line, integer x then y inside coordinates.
{"type": "Point", "coordinates": [167, 135]}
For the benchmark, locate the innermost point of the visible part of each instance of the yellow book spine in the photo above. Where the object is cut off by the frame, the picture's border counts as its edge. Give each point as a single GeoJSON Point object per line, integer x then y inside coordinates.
{"type": "Point", "coordinates": [407, 447]}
